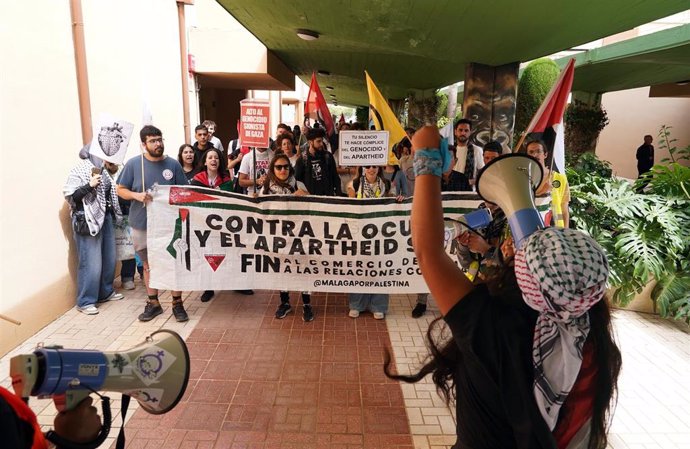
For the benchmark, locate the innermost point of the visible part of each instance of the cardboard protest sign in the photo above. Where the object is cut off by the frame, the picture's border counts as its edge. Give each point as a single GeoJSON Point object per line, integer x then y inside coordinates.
{"type": "Point", "coordinates": [110, 138]}
{"type": "Point", "coordinates": [363, 148]}
{"type": "Point", "coordinates": [255, 123]}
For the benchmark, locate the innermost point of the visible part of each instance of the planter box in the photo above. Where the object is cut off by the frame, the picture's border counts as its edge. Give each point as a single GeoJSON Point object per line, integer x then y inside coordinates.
{"type": "Point", "coordinates": [642, 302]}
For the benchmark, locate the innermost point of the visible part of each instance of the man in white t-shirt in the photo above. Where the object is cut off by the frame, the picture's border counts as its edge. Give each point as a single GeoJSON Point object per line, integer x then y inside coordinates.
{"type": "Point", "coordinates": [248, 166]}
{"type": "Point", "coordinates": [468, 158]}
{"type": "Point", "coordinates": [215, 141]}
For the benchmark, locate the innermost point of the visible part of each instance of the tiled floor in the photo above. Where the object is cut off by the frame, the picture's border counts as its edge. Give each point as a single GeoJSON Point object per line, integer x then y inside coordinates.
{"type": "Point", "coordinates": [258, 382]}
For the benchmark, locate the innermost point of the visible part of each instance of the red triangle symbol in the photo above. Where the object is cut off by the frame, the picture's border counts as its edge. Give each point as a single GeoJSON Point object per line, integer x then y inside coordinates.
{"type": "Point", "coordinates": [214, 260]}
{"type": "Point", "coordinates": [184, 213]}
{"type": "Point", "coordinates": [182, 195]}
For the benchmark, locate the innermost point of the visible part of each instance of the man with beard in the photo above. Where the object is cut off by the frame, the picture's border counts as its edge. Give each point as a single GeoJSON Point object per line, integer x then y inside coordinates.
{"type": "Point", "coordinates": [158, 170]}
{"type": "Point", "coordinates": [316, 168]}
{"type": "Point", "coordinates": [468, 159]}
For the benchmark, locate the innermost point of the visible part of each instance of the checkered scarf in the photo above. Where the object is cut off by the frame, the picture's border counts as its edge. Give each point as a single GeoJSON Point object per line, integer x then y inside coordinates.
{"type": "Point", "coordinates": [562, 273]}
{"type": "Point", "coordinates": [95, 201]}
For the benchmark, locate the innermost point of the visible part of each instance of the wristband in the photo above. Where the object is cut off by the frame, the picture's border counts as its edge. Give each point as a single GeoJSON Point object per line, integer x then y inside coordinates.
{"type": "Point", "coordinates": [432, 161]}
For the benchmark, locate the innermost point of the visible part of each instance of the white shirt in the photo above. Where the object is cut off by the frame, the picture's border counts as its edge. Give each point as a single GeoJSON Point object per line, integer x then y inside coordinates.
{"type": "Point", "coordinates": [262, 161]}
{"type": "Point", "coordinates": [461, 155]}
{"type": "Point", "coordinates": [216, 143]}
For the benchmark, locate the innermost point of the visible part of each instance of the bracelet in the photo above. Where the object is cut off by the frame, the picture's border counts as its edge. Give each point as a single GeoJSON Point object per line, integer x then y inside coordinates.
{"type": "Point", "coordinates": [430, 161]}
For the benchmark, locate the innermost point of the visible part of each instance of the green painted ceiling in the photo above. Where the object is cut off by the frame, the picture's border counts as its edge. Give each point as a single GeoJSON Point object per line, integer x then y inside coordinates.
{"type": "Point", "coordinates": [662, 57]}
{"type": "Point", "coordinates": [425, 44]}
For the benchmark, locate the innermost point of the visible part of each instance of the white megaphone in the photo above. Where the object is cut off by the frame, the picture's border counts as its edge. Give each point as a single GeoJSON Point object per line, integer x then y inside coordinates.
{"type": "Point", "coordinates": [155, 373]}
{"type": "Point", "coordinates": [509, 181]}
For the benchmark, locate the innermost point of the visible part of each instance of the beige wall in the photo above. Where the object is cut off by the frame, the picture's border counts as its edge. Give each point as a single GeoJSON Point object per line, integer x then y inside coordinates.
{"type": "Point", "coordinates": [133, 56]}
{"type": "Point", "coordinates": [132, 53]}
{"type": "Point", "coordinates": [41, 136]}
{"type": "Point", "coordinates": [632, 114]}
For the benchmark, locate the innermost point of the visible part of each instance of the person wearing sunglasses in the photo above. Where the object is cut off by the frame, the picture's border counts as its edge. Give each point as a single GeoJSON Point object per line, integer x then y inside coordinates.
{"type": "Point", "coordinates": [280, 180]}
{"type": "Point", "coordinates": [369, 183]}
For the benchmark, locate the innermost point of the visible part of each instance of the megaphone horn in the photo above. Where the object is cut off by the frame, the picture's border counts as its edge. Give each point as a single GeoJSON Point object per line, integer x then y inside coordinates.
{"type": "Point", "coordinates": [509, 181]}
{"type": "Point", "coordinates": [155, 373]}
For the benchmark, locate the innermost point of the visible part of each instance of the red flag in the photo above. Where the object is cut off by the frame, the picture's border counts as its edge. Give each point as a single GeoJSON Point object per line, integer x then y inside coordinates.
{"type": "Point", "coordinates": [547, 124]}
{"type": "Point", "coordinates": [315, 107]}
{"type": "Point", "coordinates": [341, 121]}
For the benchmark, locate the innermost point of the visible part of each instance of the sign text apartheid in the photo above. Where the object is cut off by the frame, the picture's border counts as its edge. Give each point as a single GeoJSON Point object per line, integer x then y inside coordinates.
{"type": "Point", "coordinates": [363, 148]}
{"type": "Point", "coordinates": [202, 239]}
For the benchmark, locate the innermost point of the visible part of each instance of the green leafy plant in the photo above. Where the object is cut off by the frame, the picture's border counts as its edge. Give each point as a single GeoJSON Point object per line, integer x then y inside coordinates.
{"type": "Point", "coordinates": [534, 85]}
{"type": "Point", "coordinates": [668, 143]}
{"type": "Point", "coordinates": [643, 229]}
{"type": "Point", "coordinates": [583, 124]}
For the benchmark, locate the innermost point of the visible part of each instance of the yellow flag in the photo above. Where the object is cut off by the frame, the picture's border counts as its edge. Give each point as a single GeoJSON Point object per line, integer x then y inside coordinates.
{"type": "Point", "coordinates": [384, 119]}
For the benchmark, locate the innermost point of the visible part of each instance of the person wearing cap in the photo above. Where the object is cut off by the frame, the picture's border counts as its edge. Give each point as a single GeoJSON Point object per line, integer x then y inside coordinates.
{"type": "Point", "coordinates": [532, 362]}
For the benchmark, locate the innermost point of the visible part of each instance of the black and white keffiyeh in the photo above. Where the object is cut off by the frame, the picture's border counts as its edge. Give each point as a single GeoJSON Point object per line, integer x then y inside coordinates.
{"type": "Point", "coordinates": [562, 273]}
{"type": "Point", "coordinates": [375, 190]}
{"type": "Point", "coordinates": [95, 201]}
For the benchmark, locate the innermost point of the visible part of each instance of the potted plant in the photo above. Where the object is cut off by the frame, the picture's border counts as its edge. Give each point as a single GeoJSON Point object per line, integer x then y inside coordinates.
{"type": "Point", "coordinates": [645, 235]}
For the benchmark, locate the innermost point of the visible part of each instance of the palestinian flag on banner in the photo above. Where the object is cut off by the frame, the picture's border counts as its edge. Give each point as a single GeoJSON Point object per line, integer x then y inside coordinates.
{"type": "Point", "coordinates": [547, 124]}
{"type": "Point", "coordinates": [384, 119]}
{"type": "Point", "coordinates": [316, 108]}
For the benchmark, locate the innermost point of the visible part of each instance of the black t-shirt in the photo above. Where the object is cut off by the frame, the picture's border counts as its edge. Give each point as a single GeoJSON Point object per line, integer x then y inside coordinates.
{"type": "Point", "coordinates": [494, 400]}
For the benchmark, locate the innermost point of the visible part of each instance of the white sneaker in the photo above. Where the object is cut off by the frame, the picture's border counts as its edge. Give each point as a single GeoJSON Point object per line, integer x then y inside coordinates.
{"type": "Point", "coordinates": [128, 285]}
{"type": "Point", "coordinates": [89, 310]}
{"type": "Point", "coordinates": [353, 313]}
{"type": "Point", "coordinates": [379, 315]}
{"type": "Point", "coordinates": [113, 297]}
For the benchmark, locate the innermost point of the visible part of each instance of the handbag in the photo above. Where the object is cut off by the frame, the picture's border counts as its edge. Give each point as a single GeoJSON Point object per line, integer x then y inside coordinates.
{"type": "Point", "coordinates": [79, 224]}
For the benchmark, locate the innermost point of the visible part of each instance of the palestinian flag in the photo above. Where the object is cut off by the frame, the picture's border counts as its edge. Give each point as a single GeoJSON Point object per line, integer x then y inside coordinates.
{"type": "Point", "coordinates": [547, 124]}
{"type": "Point", "coordinates": [384, 119]}
{"type": "Point", "coordinates": [316, 108]}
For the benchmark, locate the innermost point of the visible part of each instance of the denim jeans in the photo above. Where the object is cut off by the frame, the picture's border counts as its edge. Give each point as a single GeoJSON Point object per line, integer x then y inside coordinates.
{"type": "Point", "coordinates": [377, 302]}
{"type": "Point", "coordinates": [96, 264]}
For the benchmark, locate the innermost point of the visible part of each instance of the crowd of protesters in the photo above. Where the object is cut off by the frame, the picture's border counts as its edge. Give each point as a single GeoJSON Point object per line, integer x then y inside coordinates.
{"type": "Point", "coordinates": [299, 161]}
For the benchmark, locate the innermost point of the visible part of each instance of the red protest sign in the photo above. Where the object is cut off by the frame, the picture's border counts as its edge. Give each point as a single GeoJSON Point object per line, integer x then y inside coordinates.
{"type": "Point", "coordinates": [255, 123]}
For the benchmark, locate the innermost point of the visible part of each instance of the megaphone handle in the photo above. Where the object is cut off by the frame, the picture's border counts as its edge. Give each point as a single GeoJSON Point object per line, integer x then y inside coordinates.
{"type": "Point", "coordinates": [69, 399]}
{"type": "Point", "coordinates": [64, 443]}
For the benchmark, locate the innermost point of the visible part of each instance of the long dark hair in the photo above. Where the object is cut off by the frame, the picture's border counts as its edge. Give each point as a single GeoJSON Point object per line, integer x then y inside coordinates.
{"type": "Point", "coordinates": [444, 358]}
{"type": "Point", "coordinates": [179, 154]}
{"type": "Point", "coordinates": [379, 174]}
{"type": "Point", "coordinates": [271, 177]}
{"type": "Point", "coordinates": [222, 162]}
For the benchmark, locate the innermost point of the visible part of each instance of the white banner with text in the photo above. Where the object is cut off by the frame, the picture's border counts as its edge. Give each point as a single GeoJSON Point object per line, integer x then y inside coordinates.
{"type": "Point", "coordinates": [203, 239]}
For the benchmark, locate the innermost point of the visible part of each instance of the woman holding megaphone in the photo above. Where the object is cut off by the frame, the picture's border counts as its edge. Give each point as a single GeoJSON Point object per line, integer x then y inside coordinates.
{"type": "Point", "coordinates": [531, 362]}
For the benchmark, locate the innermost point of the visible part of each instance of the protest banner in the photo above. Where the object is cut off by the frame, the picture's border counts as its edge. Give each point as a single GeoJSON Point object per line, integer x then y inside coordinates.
{"type": "Point", "coordinates": [363, 148]}
{"type": "Point", "coordinates": [203, 239]}
{"type": "Point", "coordinates": [255, 123]}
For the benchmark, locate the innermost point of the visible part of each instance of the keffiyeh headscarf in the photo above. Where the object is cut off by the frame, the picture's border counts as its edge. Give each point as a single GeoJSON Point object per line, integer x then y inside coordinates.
{"type": "Point", "coordinates": [562, 273]}
{"type": "Point", "coordinates": [278, 188]}
{"type": "Point", "coordinates": [95, 201]}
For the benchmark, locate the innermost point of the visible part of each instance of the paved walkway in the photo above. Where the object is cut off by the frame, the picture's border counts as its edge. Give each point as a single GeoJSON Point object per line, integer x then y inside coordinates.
{"type": "Point", "coordinates": [258, 382]}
